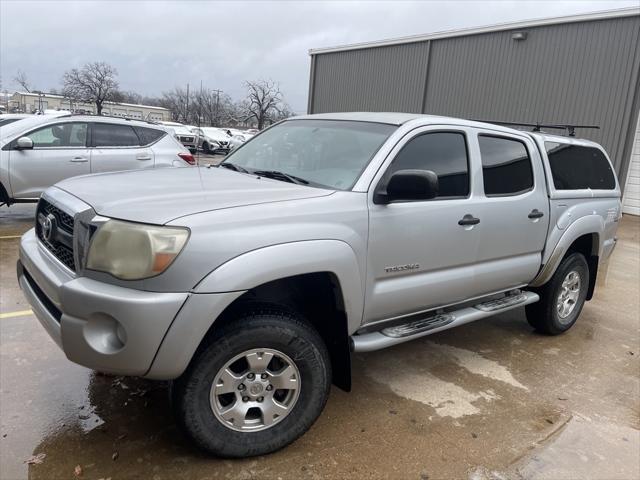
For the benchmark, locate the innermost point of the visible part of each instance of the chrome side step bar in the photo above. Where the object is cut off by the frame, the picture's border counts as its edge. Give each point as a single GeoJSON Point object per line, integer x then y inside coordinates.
{"type": "Point", "coordinates": [388, 337]}
{"type": "Point", "coordinates": [417, 326]}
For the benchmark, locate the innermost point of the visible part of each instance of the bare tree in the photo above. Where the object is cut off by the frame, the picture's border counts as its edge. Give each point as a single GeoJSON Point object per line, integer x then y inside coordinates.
{"type": "Point", "coordinates": [264, 101]}
{"type": "Point", "coordinates": [22, 80]}
{"type": "Point", "coordinates": [212, 107]}
{"type": "Point", "coordinates": [93, 83]}
{"type": "Point", "coordinates": [127, 97]}
{"type": "Point", "coordinates": [176, 102]}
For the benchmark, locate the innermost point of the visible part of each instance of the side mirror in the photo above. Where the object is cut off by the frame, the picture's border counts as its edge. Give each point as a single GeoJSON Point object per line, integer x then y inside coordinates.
{"type": "Point", "coordinates": [24, 143]}
{"type": "Point", "coordinates": [410, 185]}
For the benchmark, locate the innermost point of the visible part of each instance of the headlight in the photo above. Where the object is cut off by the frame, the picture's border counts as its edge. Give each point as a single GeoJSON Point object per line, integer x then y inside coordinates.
{"type": "Point", "coordinates": [133, 251]}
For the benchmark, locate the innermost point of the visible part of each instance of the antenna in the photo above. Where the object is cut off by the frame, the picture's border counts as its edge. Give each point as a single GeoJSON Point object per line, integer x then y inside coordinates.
{"type": "Point", "coordinates": [571, 129]}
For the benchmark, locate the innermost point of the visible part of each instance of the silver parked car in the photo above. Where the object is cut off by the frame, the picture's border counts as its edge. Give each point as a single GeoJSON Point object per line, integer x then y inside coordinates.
{"type": "Point", "coordinates": [250, 284]}
{"type": "Point", "coordinates": [38, 151]}
{"type": "Point", "coordinates": [213, 139]}
{"type": "Point", "coordinates": [183, 134]}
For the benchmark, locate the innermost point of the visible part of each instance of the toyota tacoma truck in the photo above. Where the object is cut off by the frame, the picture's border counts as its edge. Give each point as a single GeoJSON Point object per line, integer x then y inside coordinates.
{"type": "Point", "coordinates": [250, 285]}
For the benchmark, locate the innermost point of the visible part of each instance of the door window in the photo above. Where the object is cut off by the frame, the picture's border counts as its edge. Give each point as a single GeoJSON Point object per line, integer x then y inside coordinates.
{"type": "Point", "coordinates": [60, 135]}
{"type": "Point", "coordinates": [149, 135]}
{"type": "Point", "coordinates": [444, 153]}
{"type": "Point", "coordinates": [577, 167]}
{"type": "Point", "coordinates": [112, 135]}
{"type": "Point", "coordinates": [506, 166]}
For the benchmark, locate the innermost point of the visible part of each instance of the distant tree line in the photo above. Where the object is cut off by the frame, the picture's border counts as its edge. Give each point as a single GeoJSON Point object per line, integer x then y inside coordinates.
{"type": "Point", "coordinates": [96, 83]}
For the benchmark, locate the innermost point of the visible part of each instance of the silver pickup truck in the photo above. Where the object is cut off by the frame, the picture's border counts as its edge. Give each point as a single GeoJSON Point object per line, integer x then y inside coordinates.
{"type": "Point", "coordinates": [250, 285]}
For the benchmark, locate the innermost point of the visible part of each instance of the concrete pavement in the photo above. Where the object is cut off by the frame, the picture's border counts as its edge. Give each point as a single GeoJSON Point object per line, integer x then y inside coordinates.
{"type": "Point", "coordinates": [489, 400]}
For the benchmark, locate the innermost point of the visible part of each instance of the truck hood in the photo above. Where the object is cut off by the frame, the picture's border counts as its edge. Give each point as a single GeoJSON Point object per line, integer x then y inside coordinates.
{"type": "Point", "coordinates": [161, 195]}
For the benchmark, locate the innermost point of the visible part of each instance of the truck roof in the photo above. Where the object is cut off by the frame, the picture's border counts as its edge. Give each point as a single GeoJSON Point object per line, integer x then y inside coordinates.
{"type": "Point", "coordinates": [397, 118]}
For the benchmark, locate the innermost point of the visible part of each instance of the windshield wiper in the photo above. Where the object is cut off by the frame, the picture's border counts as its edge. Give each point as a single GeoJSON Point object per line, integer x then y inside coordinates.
{"type": "Point", "coordinates": [277, 175]}
{"type": "Point", "coordinates": [233, 166]}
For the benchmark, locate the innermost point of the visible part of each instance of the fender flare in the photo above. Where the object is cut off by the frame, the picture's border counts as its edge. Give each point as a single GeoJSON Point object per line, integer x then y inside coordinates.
{"type": "Point", "coordinates": [589, 224]}
{"type": "Point", "coordinates": [228, 282]}
{"type": "Point", "coordinates": [275, 262]}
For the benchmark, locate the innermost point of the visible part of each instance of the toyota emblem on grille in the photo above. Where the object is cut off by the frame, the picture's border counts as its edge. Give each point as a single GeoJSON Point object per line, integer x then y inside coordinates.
{"type": "Point", "coordinates": [48, 226]}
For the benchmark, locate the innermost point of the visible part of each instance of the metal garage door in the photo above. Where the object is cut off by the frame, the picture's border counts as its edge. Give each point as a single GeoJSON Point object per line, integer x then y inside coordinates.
{"type": "Point", "coordinates": [631, 200]}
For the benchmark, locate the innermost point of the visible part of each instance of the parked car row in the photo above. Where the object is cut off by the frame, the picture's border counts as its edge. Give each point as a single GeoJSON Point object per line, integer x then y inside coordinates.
{"type": "Point", "coordinates": [210, 140]}
{"type": "Point", "coordinates": [37, 151]}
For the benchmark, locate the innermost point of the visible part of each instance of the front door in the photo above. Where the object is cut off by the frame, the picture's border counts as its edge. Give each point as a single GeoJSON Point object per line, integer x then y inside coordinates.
{"type": "Point", "coordinates": [419, 256]}
{"type": "Point", "coordinates": [59, 152]}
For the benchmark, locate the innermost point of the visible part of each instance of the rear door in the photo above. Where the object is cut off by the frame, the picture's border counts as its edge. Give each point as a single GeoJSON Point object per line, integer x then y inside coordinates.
{"type": "Point", "coordinates": [514, 211]}
{"type": "Point", "coordinates": [116, 147]}
{"type": "Point", "coordinates": [59, 151]}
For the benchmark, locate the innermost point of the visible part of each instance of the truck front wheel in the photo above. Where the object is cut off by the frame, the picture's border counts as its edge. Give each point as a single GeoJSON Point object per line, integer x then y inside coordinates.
{"type": "Point", "coordinates": [561, 298]}
{"type": "Point", "coordinates": [256, 385]}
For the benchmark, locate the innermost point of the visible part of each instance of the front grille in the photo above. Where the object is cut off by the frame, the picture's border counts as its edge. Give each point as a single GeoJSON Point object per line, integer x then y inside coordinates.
{"type": "Point", "coordinates": [187, 139]}
{"type": "Point", "coordinates": [60, 241]}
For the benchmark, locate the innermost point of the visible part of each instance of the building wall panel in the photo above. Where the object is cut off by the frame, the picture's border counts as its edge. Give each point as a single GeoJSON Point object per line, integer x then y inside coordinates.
{"type": "Point", "coordinates": [381, 79]}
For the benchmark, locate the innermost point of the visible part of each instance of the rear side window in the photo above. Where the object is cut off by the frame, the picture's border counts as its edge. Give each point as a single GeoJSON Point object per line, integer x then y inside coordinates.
{"type": "Point", "coordinates": [149, 135]}
{"type": "Point", "coordinates": [506, 166]}
{"type": "Point", "coordinates": [112, 135]}
{"type": "Point", "coordinates": [576, 167]}
{"type": "Point", "coordinates": [444, 153]}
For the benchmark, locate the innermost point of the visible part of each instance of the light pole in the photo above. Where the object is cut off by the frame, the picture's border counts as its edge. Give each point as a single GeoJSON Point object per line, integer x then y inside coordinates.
{"type": "Point", "coordinates": [217, 92]}
{"type": "Point", "coordinates": [40, 95]}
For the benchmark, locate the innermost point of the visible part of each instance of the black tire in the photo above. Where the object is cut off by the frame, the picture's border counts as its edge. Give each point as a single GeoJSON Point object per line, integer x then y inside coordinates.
{"type": "Point", "coordinates": [255, 327]}
{"type": "Point", "coordinates": [4, 196]}
{"type": "Point", "coordinates": [543, 315]}
{"type": "Point", "coordinates": [205, 147]}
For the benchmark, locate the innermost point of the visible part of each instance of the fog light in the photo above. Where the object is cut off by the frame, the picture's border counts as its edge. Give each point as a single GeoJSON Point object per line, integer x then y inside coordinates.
{"type": "Point", "coordinates": [104, 333]}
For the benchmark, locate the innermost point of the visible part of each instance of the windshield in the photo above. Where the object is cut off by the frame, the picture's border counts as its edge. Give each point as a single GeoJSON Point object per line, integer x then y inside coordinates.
{"type": "Point", "coordinates": [9, 129]}
{"type": "Point", "coordinates": [327, 153]}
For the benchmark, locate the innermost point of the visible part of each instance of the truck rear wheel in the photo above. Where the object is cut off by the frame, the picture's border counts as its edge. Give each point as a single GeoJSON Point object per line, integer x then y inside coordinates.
{"type": "Point", "coordinates": [257, 385]}
{"type": "Point", "coordinates": [561, 298]}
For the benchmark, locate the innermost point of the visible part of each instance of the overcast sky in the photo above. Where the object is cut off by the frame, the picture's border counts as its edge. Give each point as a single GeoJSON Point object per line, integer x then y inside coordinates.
{"type": "Point", "coordinates": [156, 45]}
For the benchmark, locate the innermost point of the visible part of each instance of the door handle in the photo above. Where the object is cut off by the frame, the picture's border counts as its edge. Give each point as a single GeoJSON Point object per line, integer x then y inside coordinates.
{"type": "Point", "coordinates": [79, 160]}
{"type": "Point", "coordinates": [143, 157]}
{"type": "Point", "coordinates": [468, 219]}
{"type": "Point", "coordinates": [535, 213]}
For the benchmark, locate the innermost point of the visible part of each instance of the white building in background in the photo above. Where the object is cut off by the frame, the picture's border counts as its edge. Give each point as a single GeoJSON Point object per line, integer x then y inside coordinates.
{"type": "Point", "coordinates": [31, 102]}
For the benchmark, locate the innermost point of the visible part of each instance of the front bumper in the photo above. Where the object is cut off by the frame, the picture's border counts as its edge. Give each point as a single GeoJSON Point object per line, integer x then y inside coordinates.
{"type": "Point", "coordinates": [101, 326]}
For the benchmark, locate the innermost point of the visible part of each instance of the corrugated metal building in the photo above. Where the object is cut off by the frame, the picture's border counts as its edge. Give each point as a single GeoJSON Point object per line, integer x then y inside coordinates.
{"type": "Point", "coordinates": [581, 69]}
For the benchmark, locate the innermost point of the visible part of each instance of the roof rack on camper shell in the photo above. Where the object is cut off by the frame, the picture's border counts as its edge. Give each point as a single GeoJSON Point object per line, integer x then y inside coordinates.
{"type": "Point", "coordinates": [571, 129]}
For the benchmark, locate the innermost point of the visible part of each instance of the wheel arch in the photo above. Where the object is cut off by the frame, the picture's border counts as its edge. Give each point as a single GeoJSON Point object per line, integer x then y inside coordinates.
{"type": "Point", "coordinates": [583, 236]}
{"type": "Point", "coordinates": [319, 299]}
{"type": "Point", "coordinates": [283, 274]}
